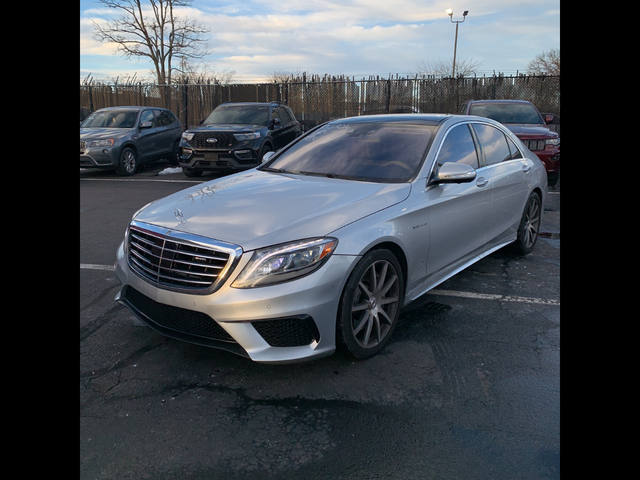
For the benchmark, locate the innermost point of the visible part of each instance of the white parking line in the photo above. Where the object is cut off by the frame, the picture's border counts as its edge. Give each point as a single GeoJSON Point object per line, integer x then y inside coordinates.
{"type": "Point", "coordinates": [141, 179]}
{"type": "Point", "coordinates": [445, 293]}
{"type": "Point", "coordinates": [89, 266]}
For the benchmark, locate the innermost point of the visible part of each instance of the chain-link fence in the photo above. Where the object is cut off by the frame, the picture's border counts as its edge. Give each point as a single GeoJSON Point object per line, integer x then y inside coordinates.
{"type": "Point", "coordinates": [322, 99]}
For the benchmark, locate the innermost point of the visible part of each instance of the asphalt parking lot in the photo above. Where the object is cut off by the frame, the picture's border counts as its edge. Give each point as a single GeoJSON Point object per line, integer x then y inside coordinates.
{"type": "Point", "coordinates": [468, 388]}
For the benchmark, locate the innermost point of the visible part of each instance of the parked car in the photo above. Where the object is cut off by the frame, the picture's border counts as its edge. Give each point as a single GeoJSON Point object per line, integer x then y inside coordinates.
{"type": "Point", "coordinates": [325, 242]}
{"type": "Point", "coordinates": [524, 119]}
{"type": "Point", "coordinates": [236, 136]}
{"type": "Point", "coordinates": [123, 138]}
{"type": "Point", "coordinates": [84, 113]}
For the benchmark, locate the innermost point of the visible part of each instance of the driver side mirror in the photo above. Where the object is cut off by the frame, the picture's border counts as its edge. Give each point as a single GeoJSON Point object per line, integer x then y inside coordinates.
{"type": "Point", "coordinates": [274, 122]}
{"type": "Point", "coordinates": [146, 124]}
{"type": "Point", "coordinates": [452, 172]}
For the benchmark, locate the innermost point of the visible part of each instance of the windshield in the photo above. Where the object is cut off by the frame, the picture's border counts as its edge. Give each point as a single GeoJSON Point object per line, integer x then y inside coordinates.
{"type": "Point", "coordinates": [373, 152]}
{"type": "Point", "coordinates": [111, 119]}
{"type": "Point", "coordinates": [508, 112]}
{"type": "Point", "coordinates": [239, 114]}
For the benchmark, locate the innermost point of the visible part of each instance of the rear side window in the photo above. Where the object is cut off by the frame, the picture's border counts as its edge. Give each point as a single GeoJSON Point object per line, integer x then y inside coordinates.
{"type": "Point", "coordinates": [458, 147]}
{"type": "Point", "coordinates": [493, 143]}
{"type": "Point", "coordinates": [515, 151]}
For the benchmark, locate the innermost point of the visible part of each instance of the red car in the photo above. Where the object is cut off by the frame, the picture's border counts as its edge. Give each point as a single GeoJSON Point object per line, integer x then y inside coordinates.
{"type": "Point", "coordinates": [524, 119]}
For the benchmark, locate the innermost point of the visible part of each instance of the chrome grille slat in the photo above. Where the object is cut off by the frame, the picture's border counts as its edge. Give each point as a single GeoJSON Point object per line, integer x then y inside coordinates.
{"type": "Point", "coordinates": [177, 263]}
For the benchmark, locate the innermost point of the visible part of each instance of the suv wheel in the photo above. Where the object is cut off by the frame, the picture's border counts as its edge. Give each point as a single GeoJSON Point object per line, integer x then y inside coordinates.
{"type": "Point", "coordinates": [189, 172]}
{"type": "Point", "coordinates": [128, 162]}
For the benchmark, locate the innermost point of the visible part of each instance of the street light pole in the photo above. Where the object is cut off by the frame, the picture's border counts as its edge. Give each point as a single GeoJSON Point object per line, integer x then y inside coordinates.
{"type": "Point", "coordinates": [455, 44]}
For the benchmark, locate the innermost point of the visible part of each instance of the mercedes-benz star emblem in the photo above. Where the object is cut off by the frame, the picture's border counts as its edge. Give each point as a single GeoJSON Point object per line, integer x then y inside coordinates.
{"type": "Point", "coordinates": [179, 215]}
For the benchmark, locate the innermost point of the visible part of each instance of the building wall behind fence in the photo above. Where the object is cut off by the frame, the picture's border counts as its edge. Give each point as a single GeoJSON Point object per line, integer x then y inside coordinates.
{"type": "Point", "coordinates": [322, 99]}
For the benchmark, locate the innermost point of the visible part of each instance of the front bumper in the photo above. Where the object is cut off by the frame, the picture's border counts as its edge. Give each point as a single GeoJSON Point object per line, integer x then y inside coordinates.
{"type": "Point", "coordinates": [284, 323]}
{"type": "Point", "coordinates": [217, 159]}
{"type": "Point", "coordinates": [99, 158]}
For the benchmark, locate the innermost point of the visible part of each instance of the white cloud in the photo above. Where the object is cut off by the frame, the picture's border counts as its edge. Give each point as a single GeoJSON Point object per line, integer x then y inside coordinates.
{"type": "Point", "coordinates": [257, 37]}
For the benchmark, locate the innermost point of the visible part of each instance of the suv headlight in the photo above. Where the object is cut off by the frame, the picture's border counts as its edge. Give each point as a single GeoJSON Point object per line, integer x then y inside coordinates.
{"type": "Point", "coordinates": [188, 136]}
{"type": "Point", "coordinates": [282, 263]}
{"type": "Point", "coordinates": [108, 142]}
{"type": "Point", "coordinates": [241, 137]}
{"type": "Point", "coordinates": [552, 141]}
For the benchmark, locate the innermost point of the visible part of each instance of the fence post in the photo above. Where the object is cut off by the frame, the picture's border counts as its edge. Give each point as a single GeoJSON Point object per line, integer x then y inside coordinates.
{"type": "Point", "coordinates": [388, 99]}
{"type": "Point", "coordinates": [185, 100]}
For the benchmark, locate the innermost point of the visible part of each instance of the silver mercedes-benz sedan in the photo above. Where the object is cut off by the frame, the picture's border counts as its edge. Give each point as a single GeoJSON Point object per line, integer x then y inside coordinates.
{"type": "Point", "coordinates": [323, 244]}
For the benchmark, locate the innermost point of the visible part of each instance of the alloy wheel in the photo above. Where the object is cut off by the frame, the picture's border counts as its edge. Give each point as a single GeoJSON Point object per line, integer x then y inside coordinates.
{"type": "Point", "coordinates": [129, 161]}
{"type": "Point", "coordinates": [531, 222]}
{"type": "Point", "coordinates": [375, 304]}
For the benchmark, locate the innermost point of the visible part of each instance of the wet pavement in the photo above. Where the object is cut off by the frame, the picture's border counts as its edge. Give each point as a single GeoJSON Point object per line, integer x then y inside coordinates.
{"type": "Point", "coordinates": [468, 388]}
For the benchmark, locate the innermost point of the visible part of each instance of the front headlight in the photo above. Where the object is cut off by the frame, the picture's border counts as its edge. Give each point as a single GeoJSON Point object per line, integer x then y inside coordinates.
{"type": "Point", "coordinates": [241, 137]}
{"type": "Point", "coordinates": [552, 141]}
{"type": "Point", "coordinates": [282, 263]}
{"type": "Point", "coordinates": [102, 143]}
{"type": "Point", "coordinates": [188, 136]}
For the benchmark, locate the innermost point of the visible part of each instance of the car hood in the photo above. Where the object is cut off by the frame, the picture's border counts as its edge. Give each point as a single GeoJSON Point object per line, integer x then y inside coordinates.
{"type": "Point", "coordinates": [224, 127]}
{"type": "Point", "coordinates": [100, 133]}
{"type": "Point", "coordinates": [256, 209]}
{"type": "Point", "coordinates": [530, 131]}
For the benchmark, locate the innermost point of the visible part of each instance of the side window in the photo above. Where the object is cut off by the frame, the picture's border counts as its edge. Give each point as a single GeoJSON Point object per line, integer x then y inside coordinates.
{"type": "Point", "coordinates": [515, 152]}
{"type": "Point", "coordinates": [493, 143]}
{"type": "Point", "coordinates": [458, 147]}
{"type": "Point", "coordinates": [165, 118]}
{"type": "Point", "coordinates": [147, 116]}
{"type": "Point", "coordinates": [275, 113]}
{"type": "Point", "coordinates": [292, 117]}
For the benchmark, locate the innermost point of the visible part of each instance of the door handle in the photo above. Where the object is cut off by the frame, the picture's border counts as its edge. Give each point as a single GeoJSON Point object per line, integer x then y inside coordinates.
{"type": "Point", "coordinates": [526, 168]}
{"type": "Point", "coordinates": [482, 182]}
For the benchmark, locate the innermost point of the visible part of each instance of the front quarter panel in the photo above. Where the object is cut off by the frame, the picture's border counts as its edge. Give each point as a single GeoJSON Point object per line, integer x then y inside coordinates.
{"type": "Point", "coordinates": [404, 225]}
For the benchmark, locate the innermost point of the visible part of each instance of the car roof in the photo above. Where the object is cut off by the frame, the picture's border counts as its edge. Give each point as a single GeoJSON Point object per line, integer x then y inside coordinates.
{"type": "Point", "coordinates": [416, 118]}
{"type": "Point", "coordinates": [499, 101]}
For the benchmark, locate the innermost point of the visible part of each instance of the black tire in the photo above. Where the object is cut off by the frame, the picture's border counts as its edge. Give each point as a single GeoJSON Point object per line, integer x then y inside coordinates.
{"type": "Point", "coordinates": [128, 164]}
{"type": "Point", "coordinates": [189, 172]}
{"type": "Point", "coordinates": [175, 154]}
{"type": "Point", "coordinates": [370, 304]}
{"type": "Point", "coordinates": [529, 225]}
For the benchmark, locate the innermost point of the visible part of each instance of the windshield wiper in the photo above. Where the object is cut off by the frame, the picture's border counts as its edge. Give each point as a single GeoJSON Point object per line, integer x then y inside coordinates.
{"type": "Point", "coordinates": [275, 170]}
{"type": "Point", "coordinates": [328, 175]}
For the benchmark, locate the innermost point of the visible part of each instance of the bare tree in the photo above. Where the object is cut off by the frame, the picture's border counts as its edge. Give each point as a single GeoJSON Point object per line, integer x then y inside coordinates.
{"type": "Point", "coordinates": [547, 63]}
{"type": "Point", "coordinates": [154, 31]}
{"type": "Point", "coordinates": [440, 68]}
{"type": "Point", "coordinates": [202, 73]}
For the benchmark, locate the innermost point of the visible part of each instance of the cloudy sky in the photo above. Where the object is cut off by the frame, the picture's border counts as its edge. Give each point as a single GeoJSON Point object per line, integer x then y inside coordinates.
{"type": "Point", "coordinates": [255, 38]}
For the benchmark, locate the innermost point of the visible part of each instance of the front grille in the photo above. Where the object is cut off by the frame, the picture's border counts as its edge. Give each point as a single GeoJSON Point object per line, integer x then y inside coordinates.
{"type": "Point", "coordinates": [176, 319]}
{"type": "Point", "coordinates": [288, 332]}
{"type": "Point", "coordinates": [223, 140]}
{"type": "Point", "coordinates": [535, 145]}
{"type": "Point", "coordinates": [176, 263]}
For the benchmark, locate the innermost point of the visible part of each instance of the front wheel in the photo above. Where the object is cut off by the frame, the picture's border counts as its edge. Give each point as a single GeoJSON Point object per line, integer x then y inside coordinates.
{"type": "Point", "coordinates": [189, 172]}
{"type": "Point", "coordinates": [529, 225]}
{"type": "Point", "coordinates": [128, 162]}
{"type": "Point", "coordinates": [370, 304]}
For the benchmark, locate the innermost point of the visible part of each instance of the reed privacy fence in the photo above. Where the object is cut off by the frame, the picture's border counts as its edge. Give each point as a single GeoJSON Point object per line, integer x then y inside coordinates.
{"type": "Point", "coordinates": [318, 100]}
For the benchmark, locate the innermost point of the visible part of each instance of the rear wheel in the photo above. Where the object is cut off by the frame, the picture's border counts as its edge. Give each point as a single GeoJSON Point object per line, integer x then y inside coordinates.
{"type": "Point", "coordinates": [175, 154]}
{"type": "Point", "coordinates": [529, 225]}
{"type": "Point", "coordinates": [370, 304]}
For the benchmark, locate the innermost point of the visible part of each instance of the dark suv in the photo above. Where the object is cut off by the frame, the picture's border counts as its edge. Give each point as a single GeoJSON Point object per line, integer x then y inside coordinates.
{"type": "Point", "coordinates": [524, 119]}
{"type": "Point", "coordinates": [236, 136]}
